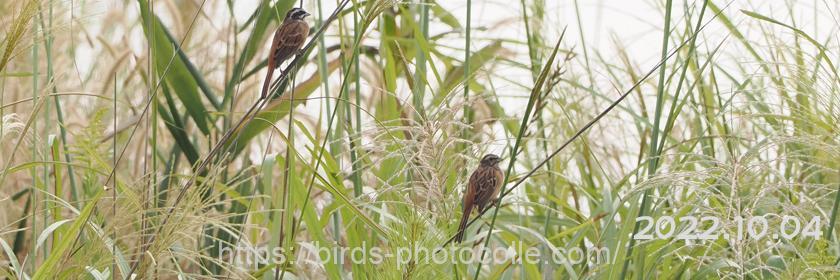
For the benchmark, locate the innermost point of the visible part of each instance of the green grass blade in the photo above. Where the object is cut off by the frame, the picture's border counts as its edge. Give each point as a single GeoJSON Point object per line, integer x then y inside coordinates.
{"type": "Point", "coordinates": [178, 77]}
{"type": "Point", "coordinates": [52, 266]}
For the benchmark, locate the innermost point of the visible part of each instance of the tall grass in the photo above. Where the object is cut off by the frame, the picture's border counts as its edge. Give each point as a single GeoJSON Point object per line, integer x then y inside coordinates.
{"type": "Point", "coordinates": [133, 142]}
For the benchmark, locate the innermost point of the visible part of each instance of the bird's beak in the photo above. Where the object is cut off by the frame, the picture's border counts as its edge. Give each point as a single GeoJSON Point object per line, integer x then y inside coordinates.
{"type": "Point", "coordinates": [306, 14]}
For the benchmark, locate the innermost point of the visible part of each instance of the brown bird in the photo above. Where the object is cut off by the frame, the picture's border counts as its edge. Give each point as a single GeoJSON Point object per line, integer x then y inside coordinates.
{"type": "Point", "coordinates": [483, 188]}
{"type": "Point", "coordinates": [287, 42]}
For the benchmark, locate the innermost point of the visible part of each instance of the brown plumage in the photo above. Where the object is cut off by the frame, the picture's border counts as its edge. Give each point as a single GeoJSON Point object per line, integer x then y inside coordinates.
{"type": "Point", "coordinates": [482, 189]}
{"type": "Point", "coordinates": [288, 39]}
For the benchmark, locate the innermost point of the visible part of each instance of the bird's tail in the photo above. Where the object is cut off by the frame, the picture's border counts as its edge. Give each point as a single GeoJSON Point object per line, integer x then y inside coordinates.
{"type": "Point", "coordinates": [463, 226]}
{"type": "Point", "coordinates": [267, 83]}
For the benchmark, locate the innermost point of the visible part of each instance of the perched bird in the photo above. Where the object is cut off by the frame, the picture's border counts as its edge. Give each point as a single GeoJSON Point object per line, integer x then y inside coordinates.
{"type": "Point", "coordinates": [483, 188]}
{"type": "Point", "coordinates": [288, 39]}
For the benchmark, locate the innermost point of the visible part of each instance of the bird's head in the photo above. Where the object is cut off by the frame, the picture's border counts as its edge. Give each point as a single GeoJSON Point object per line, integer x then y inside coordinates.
{"type": "Point", "coordinates": [297, 13]}
{"type": "Point", "coordinates": [490, 160]}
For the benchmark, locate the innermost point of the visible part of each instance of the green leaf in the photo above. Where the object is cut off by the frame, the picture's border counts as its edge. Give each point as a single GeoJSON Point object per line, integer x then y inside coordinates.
{"type": "Point", "coordinates": [16, 74]}
{"type": "Point", "coordinates": [798, 31]}
{"type": "Point", "coordinates": [477, 62]}
{"type": "Point", "coordinates": [173, 123]}
{"type": "Point", "coordinates": [197, 76]}
{"type": "Point", "coordinates": [445, 16]}
{"type": "Point", "coordinates": [172, 68]}
{"type": "Point", "coordinates": [51, 266]}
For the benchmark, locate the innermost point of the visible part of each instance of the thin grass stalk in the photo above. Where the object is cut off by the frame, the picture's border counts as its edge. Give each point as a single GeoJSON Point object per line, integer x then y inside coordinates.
{"type": "Point", "coordinates": [673, 113]}
{"type": "Point", "coordinates": [236, 73]}
{"type": "Point", "coordinates": [153, 120]}
{"type": "Point", "coordinates": [33, 196]}
{"type": "Point", "coordinates": [357, 165]}
{"type": "Point", "coordinates": [419, 90]}
{"type": "Point", "coordinates": [654, 152]}
{"type": "Point", "coordinates": [230, 51]}
{"type": "Point", "coordinates": [551, 191]}
{"type": "Point", "coordinates": [287, 175]}
{"type": "Point", "coordinates": [115, 163]}
{"type": "Point", "coordinates": [46, 31]}
{"type": "Point", "coordinates": [144, 225]}
{"type": "Point", "coordinates": [532, 49]}
{"type": "Point", "coordinates": [829, 234]}
{"type": "Point", "coordinates": [467, 45]}
{"type": "Point", "coordinates": [57, 191]}
{"type": "Point", "coordinates": [534, 67]}
{"type": "Point", "coordinates": [583, 45]}
{"type": "Point", "coordinates": [48, 48]}
{"type": "Point", "coordinates": [322, 70]}
{"type": "Point", "coordinates": [2, 106]}
{"type": "Point", "coordinates": [357, 133]}
{"type": "Point", "coordinates": [465, 132]}
{"type": "Point", "coordinates": [343, 108]}
{"type": "Point", "coordinates": [336, 144]}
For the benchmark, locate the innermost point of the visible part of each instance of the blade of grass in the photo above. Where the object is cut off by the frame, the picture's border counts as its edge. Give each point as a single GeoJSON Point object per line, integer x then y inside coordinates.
{"type": "Point", "coordinates": [419, 90]}
{"type": "Point", "coordinates": [654, 152]}
{"type": "Point", "coordinates": [52, 265]}
{"type": "Point", "coordinates": [455, 76]}
{"type": "Point", "coordinates": [172, 69]}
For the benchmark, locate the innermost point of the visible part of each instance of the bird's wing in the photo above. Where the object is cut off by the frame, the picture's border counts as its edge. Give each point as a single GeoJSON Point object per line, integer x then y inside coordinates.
{"type": "Point", "coordinates": [275, 43]}
{"type": "Point", "coordinates": [469, 195]}
{"type": "Point", "coordinates": [486, 184]}
{"type": "Point", "coordinates": [290, 38]}
{"type": "Point", "coordinates": [295, 34]}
